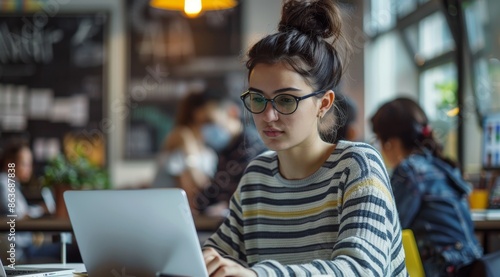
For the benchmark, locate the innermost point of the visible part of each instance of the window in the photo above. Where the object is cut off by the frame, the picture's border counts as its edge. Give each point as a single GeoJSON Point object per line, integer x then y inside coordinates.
{"type": "Point", "coordinates": [483, 29]}
{"type": "Point", "coordinates": [487, 89]}
{"type": "Point", "coordinates": [405, 7]}
{"type": "Point", "coordinates": [381, 16]}
{"type": "Point", "coordinates": [438, 97]}
{"type": "Point", "coordinates": [476, 19]}
{"type": "Point", "coordinates": [438, 87]}
{"type": "Point", "coordinates": [434, 36]}
{"type": "Point", "coordinates": [419, 63]}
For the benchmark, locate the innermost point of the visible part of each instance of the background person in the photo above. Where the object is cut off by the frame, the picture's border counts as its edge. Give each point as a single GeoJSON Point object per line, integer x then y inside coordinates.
{"type": "Point", "coordinates": [185, 160]}
{"type": "Point", "coordinates": [17, 165]}
{"type": "Point", "coordinates": [307, 207]}
{"type": "Point", "coordinates": [17, 155]}
{"type": "Point", "coordinates": [344, 114]}
{"type": "Point", "coordinates": [431, 195]}
{"type": "Point", "coordinates": [235, 144]}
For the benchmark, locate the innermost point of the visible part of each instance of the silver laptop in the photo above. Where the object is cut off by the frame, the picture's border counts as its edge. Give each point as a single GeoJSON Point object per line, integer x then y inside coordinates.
{"type": "Point", "coordinates": [135, 233]}
{"type": "Point", "coordinates": [25, 271]}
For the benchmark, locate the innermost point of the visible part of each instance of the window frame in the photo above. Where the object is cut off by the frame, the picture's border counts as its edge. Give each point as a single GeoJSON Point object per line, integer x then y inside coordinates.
{"type": "Point", "coordinates": [453, 13]}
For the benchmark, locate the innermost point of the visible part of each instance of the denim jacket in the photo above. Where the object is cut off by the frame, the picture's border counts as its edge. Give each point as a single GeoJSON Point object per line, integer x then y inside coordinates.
{"type": "Point", "coordinates": [432, 200]}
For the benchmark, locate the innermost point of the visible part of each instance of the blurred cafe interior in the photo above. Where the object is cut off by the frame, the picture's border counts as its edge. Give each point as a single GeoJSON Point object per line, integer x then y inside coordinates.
{"type": "Point", "coordinates": [97, 83]}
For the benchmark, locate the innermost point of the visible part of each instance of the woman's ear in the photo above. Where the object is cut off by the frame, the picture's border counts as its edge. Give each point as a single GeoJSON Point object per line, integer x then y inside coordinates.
{"type": "Point", "coordinates": [326, 102]}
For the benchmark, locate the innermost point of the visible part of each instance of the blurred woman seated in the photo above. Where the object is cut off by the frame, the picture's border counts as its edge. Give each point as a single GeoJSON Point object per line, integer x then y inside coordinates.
{"type": "Point", "coordinates": [431, 195]}
{"type": "Point", "coordinates": [16, 167]}
{"type": "Point", "coordinates": [185, 160]}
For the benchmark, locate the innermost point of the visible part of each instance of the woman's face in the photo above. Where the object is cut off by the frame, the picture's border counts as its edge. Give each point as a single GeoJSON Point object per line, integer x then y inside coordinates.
{"type": "Point", "coordinates": [24, 165]}
{"type": "Point", "coordinates": [278, 131]}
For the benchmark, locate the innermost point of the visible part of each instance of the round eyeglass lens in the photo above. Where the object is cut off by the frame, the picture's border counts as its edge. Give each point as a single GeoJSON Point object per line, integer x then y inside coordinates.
{"type": "Point", "coordinates": [255, 103]}
{"type": "Point", "coordinates": [285, 104]}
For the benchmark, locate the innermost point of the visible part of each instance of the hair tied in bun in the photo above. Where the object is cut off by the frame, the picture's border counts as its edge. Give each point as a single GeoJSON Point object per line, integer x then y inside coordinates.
{"type": "Point", "coordinates": [316, 18]}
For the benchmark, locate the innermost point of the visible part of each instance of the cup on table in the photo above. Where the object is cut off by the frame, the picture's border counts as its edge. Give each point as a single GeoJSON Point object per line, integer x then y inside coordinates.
{"type": "Point", "coordinates": [478, 199]}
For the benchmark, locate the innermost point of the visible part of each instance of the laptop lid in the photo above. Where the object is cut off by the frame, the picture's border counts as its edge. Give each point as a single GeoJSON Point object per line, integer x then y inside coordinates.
{"type": "Point", "coordinates": [135, 232]}
{"type": "Point", "coordinates": [32, 271]}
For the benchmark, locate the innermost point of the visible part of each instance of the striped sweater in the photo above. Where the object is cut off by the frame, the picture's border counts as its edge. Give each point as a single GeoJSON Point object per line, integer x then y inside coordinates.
{"type": "Point", "coordinates": [340, 221]}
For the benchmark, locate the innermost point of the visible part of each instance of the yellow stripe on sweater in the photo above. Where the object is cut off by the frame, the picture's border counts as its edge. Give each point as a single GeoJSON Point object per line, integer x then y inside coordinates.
{"type": "Point", "coordinates": [372, 182]}
{"type": "Point", "coordinates": [289, 213]}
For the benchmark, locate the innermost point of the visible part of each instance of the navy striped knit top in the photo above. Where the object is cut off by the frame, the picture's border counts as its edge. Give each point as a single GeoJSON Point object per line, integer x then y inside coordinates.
{"type": "Point", "coordinates": [340, 221]}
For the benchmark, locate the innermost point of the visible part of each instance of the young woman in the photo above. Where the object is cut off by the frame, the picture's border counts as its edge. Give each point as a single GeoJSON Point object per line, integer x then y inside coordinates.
{"type": "Point", "coordinates": [430, 194]}
{"type": "Point", "coordinates": [307, 207]}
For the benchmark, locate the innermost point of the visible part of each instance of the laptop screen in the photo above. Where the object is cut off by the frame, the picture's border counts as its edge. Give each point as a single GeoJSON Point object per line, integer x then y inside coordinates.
{"type": "Point", "coordinates": [135, 232]}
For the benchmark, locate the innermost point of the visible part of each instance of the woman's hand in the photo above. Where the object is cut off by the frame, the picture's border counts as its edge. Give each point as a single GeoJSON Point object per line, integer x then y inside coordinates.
{"type": "Point", "coordinates": [217, 266]}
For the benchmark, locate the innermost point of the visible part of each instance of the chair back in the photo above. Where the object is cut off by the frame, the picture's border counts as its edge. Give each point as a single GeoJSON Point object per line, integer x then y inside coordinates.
{"type": "Point", "coordinates": [413, 262]}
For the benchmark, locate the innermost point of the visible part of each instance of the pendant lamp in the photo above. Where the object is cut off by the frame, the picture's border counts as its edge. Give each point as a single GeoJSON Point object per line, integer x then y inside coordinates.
{"type": "Point", "coordinates": [192, 8]}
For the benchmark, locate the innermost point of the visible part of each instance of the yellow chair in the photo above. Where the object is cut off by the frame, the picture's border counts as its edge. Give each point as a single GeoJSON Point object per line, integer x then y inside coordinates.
{"type": "Point", "coordinates": [413, 262]}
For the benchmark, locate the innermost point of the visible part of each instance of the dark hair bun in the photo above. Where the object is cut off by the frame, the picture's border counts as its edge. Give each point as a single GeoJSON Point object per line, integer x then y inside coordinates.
{"type": "Point", "coordinates": [313, 17]}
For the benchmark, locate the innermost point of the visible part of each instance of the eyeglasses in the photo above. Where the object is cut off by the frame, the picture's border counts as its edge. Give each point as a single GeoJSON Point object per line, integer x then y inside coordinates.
{"type": "Point", "coordinates": [284, 103]}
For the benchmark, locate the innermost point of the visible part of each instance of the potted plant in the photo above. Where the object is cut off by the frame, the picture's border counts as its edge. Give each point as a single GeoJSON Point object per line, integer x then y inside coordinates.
{"type": "Point", "coordinates": [62, 174]}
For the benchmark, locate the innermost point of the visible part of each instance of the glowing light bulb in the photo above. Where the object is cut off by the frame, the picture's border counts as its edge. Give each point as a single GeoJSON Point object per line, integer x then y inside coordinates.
{"type": "Point", "coordinates": [192, 7]}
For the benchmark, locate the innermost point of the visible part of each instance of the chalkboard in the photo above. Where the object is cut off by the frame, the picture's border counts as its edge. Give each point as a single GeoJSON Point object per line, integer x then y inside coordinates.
{"type": "Point", "coordinates": [52, 80]}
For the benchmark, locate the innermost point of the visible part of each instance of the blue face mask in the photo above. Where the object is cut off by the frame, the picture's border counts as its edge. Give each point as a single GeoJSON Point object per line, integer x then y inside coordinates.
{"type": "Point", "coordinates": [215, 136]}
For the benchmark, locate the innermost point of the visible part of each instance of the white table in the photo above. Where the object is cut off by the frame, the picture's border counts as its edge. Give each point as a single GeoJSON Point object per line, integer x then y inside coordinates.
{"type": "Point", "coordinates": [78, 267]}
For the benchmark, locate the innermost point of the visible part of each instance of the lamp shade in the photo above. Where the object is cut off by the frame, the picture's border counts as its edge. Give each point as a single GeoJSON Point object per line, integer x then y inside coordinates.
{"type": "Point", "coordinates": [206, 5]}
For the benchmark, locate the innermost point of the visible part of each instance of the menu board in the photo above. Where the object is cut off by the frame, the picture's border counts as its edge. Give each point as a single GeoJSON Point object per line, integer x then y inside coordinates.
{"type": "Point", "coordinates": [52, 79]}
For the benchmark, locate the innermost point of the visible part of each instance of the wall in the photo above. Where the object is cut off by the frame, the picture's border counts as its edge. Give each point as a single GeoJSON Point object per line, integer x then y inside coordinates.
{"type": "Point", "coordinates": [353, 83]}
{"type": "Point", "coordinates": [260, 17]}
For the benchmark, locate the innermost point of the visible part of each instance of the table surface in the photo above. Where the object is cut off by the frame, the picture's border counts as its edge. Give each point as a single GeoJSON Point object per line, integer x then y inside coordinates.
{"type": "Point", "coordinates": [77, 267]}
{"type": "Point", "coordinates": [203, 223]}
{"type": "Point", "coordinates": [487, 225]}
{"type": "Point", "coordinates": [486, 220]}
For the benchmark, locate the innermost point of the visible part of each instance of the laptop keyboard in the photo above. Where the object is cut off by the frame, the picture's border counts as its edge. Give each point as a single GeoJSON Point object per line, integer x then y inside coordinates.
{"type": "Point", "coordinates": [13, 272]}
